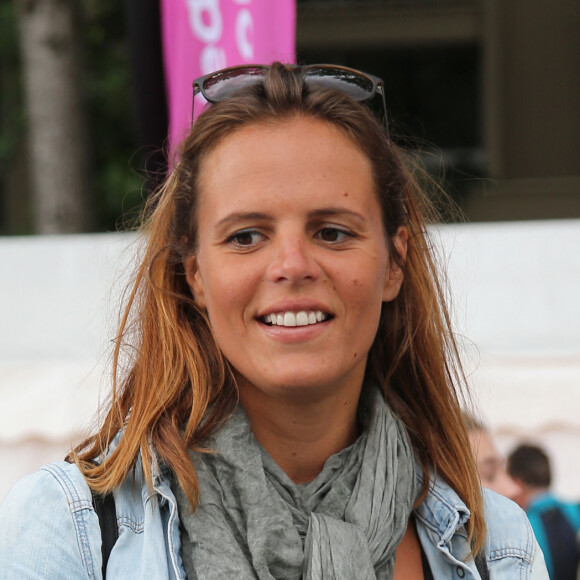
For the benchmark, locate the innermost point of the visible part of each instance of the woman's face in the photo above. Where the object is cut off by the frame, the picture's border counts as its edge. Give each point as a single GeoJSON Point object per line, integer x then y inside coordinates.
{"type": "Point", "coordinates": [491, 465]}
{"type": "Point", "coordinates": [292, 264]}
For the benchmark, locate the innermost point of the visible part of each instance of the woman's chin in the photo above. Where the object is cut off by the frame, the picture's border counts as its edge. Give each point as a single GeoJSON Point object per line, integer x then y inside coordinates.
{"type": "Point", "coordinates": [298, 387]}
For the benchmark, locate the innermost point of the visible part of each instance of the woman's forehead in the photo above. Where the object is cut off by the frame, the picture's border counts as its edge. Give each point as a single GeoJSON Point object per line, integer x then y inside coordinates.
{"type": "Point", "coordinates": [303, 168]}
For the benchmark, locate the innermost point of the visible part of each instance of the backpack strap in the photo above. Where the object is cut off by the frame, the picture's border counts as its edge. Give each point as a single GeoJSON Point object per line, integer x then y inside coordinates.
{"type": "Point", "coordinates": [105, 509]}
{"type": "Point", "coordinates": [481, 565]}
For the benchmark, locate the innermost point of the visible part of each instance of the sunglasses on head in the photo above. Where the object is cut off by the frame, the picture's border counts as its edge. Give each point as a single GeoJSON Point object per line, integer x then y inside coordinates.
{"type": "Point", "coordinates": [359, 86]}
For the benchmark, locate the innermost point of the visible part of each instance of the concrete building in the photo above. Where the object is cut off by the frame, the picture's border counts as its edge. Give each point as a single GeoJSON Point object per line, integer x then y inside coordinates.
{"type": "Point", "coordinates": [494, 85]}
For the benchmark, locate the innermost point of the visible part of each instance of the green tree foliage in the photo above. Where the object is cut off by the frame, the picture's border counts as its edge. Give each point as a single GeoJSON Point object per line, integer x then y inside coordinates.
{"type": "Point", "coordinates": [11, 108]}
{"type": "Point", "coordinates": [117, 179]}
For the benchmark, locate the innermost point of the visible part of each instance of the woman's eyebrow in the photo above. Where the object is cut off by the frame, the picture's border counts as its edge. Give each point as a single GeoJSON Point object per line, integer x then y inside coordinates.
{"type": "Point", "coordinates": [337, 211]}
{"type": "Point", "coordinates": [323, 212]}
{"type": "Point", "coordinates": [241, 216]}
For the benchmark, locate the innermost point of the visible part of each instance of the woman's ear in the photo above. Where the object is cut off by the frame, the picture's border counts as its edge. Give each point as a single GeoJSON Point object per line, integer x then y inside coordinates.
{"type": "Point", "coordinates": [394, 275]}
{"type": "Point", "coordinates": [194, 280]}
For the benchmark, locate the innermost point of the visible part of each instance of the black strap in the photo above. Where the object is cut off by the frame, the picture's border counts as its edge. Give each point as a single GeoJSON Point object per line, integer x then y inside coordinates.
{"type": "Point", "coordinates": [105, 509]}
{"type": "Point", "coordinates": [481, 565]}
{"type": "Point", "coordinates": [427, 573]}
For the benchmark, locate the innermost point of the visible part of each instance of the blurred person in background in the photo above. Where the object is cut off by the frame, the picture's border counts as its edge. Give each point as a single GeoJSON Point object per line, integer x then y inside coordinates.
{"type": "Point", "coordinates": [491, 465]}
{"type": "Point", "coordinates": [556, 523]}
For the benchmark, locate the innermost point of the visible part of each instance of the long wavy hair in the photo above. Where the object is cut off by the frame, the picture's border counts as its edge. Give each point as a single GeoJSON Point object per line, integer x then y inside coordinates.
{"type": "Point", "coordinates": [171, 384]}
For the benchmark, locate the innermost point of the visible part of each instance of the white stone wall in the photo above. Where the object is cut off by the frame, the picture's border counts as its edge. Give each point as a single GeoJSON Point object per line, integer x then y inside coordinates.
{"type": "Point", "coordinates": [59, 300]}
{"type": "Point", "coordinates": [515, 300]}
{"type": "Point", "coordinates": [516, 297]}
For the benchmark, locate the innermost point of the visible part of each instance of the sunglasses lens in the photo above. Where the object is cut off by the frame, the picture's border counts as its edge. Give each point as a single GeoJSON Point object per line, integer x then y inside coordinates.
{"type": "Point", "coordinates": [356, 86]}
{"type": "Point", "coordinates": [221, 85]}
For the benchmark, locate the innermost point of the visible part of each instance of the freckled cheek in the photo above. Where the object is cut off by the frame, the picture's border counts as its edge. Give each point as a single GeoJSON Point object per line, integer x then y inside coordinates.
{"type": "Point", "coordinates": [359, 298]}
{"type": "Point", "coordinates": [363, 297]}
{"type": "Point", "coordinates": [219, 289]}
{"type": "Point", "coordinates": [364, 282]}
{"type": "Point", "coordinates": [242, 294]}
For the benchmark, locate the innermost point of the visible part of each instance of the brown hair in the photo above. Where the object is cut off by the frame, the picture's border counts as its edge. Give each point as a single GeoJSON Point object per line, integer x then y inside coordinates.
{"type": "Point", "coordinates": [472, 423]}
{"type": "Point", "coordinates": [530, 464]}
{"type": "Point", "coordinates": [178, 386]}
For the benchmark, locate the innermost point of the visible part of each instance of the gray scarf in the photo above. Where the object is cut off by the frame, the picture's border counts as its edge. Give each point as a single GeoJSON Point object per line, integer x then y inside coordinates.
{"type": "Point", "coordinates": [252, 521]}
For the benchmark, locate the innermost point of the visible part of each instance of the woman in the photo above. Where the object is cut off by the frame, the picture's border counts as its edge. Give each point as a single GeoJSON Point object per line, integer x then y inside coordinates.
{"type": "Point", "coordinates": [290, 407]}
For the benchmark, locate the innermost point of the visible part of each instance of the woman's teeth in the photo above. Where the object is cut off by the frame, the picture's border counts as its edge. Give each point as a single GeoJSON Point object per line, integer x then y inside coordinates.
{"type": "Point", "coordinates": [301, 318]}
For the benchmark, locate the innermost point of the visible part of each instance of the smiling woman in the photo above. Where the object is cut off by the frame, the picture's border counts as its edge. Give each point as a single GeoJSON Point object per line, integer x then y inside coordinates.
{"type": "Point", "coordinates": [277, 244]}
{"type": "Point", "coordinates": [291, 406]}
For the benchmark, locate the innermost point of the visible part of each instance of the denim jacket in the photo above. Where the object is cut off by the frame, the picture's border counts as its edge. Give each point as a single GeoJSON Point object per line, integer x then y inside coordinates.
{"type": "Point", "coordinates": [48, 529]}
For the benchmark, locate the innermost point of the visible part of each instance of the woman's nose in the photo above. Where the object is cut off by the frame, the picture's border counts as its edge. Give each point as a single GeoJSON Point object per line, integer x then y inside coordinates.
{"type": "Point", "coordinates": [293, 260]}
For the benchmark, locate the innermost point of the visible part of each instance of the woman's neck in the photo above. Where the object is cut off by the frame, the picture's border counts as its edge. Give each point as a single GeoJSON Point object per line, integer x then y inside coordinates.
{"type": "Point", "coordinates": [301, 436]}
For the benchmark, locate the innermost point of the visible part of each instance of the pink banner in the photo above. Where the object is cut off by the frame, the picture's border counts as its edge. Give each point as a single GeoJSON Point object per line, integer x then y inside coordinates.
{"type": "Point", "coordinates": [200, 36]}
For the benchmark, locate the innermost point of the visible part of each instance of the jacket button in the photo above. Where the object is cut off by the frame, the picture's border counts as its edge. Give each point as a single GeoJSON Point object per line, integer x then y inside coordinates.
{"type": "Point", "coordinates": [460, 572]}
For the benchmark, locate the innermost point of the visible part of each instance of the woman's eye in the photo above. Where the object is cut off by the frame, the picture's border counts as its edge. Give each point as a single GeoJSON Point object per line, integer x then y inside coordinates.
{"type": "Point", "coordinates": [489, 476]}
{"type": "Point", "coordinates": [333, 235]}
{"type": "Point", "coordinates": [246, 238]}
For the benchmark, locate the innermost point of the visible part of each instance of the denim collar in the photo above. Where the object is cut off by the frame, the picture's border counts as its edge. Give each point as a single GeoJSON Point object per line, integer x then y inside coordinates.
{"type": "Point", "coordinates": [442, 510]}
